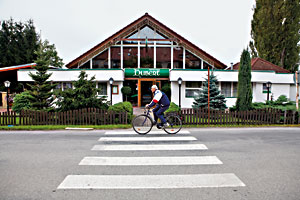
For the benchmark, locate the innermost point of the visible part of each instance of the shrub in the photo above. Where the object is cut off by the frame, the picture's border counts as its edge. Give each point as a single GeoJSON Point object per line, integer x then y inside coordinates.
{"type": "Point", "coordinates": [126, 91]}
{"type": "Point", "coordinates": [173, 108]}
{"type": "Point", "coordinates": [21, 102]}
{"type": "Point", "coordinates": [122, 107]}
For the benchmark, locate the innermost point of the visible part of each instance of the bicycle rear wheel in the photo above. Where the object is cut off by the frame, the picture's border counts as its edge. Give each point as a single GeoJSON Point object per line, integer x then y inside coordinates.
{"type": "Point", "coordinates": [175, 124]}
{"type": "Point", "coordinates": [142, 124]}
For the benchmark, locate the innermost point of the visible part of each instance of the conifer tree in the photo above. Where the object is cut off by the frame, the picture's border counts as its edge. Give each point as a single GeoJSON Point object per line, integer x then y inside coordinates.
{"type": "Point", "coordinates": [217, 100]}
{"type": "Point", "coordinates": [84, 95]}
{"type": "Point", "coordinates": [18, 42]}
{"type": "Point", "coordinates": [40, 90]}
{"type": "Point", "coordinates": [275, 31]}
{"type": "Point", "coordinates": [244, 99]}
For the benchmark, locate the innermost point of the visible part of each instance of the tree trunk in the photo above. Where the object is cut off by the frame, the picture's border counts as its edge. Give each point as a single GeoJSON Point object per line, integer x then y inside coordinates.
{"type": "Point", "coordinates": [282, 55]}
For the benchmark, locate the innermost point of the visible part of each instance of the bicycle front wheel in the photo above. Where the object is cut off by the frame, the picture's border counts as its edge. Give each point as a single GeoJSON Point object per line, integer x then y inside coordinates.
{"type": "Point", "coordinates": [142, 124]}
{"type": "Point", "coordinates": [175, 124]}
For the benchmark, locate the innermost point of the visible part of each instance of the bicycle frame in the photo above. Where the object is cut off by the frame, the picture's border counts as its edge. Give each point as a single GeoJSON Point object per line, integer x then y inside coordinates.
{"type": "Point", "coordinates": [148, 112]}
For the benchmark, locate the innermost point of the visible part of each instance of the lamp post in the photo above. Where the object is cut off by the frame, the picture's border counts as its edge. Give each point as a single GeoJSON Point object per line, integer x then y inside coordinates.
{"type": "Point", "coordinates": [111, 81]}
{"type": "Point", "coordinates": [179, 83]}
{"type": "Point", "coordinates": [268, 85]}
{"type": "Point", "coordinates": [7, 84]}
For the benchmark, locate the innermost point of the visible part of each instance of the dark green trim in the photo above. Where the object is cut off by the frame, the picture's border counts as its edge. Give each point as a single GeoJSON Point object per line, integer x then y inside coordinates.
{"type": "Point", "coordinates": [222, 70]}
{"type": "Point", "coordinates": [266, 92]}
{"type": "Point", "coordinates": [190, 96]}
{"type": "Point", "coordinates": [74, 69]}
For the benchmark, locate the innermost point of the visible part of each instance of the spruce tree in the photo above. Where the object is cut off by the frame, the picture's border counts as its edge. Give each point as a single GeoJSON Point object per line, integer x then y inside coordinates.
{"type": "Point", "coordinates": [275, 31]}
{"type": "Point", "coordinates": [244, 99]}
{"type": "Point", "coordinates": [84, 95]}
{"type": "Point", "coordinates": [18, 42]}
{"type": "Point", "coordinates": [41, 89]}
{"type": "Point", "coordinates": [216, 101]}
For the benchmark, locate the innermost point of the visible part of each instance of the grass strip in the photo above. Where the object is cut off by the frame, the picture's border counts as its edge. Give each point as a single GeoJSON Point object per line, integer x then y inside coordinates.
{"type": "Point", "coordinates": [128, 126]}
{"type": "Point", "coordinates": [62, 127]}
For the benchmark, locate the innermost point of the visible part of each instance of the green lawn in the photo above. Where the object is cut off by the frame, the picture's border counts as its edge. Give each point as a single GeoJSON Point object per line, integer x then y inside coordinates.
{"type": "Point", "coordinates": [60, 127]}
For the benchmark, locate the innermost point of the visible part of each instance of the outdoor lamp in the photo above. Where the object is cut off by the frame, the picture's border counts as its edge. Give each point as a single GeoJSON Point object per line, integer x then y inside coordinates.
{"type": "Point", "coordinates": [7, 84]}
{"type": "Point", "coordinates": [179, 80]}
{"type": "Point", "coordinates": [111, 81]}
{"type": "Point", "coordinates": [268, 85]}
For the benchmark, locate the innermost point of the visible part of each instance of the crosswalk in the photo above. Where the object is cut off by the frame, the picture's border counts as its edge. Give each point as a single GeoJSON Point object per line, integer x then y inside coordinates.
{"type": "Point", "coordinates": [156, 141]}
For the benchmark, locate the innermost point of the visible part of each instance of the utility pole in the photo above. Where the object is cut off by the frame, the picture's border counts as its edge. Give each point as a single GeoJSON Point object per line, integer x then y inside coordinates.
{"type": "Point", "coordinates": [297, 89]}
{"type": "Point", "coordinates": [208, 110]}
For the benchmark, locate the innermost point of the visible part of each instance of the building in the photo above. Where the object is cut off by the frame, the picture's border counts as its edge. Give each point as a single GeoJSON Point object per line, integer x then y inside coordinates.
{"type": "Point", "coordinates": [147, 52]}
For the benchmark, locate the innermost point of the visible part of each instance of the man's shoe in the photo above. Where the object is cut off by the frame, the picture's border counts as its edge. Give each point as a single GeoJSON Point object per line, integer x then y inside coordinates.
{"type": "Point", "coordinates": [166, 125]}
{"type": "Point", "coordinates": [154, 123]}
{"type": "Point", "coordinates": [159, 126]}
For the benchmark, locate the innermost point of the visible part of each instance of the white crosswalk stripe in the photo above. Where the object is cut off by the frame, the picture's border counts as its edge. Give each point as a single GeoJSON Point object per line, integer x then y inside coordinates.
{"type": "Point", "coordinates": [133, 161]}
{"type": "Point", "coordinates": [155, 141]}
{"type": "Point", "coordinates": [147, 139]}
{"type": "Point", "coordinates": [154, 132]}
{"type": "Point", "coordinates": [150, 181]}
{"type": "Point", "coordinates": [149, 147]}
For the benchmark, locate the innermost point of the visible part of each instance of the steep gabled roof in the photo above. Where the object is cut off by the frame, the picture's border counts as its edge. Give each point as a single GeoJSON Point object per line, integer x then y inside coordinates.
{"type": "Point", "coordinates": [139, 23]}
{"type": "Point", "coordinates": [261, 64]}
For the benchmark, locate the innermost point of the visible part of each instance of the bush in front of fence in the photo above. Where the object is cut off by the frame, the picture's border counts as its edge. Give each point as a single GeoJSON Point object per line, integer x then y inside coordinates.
{"type": "Point", "coordinates": [122, 107]}
{"type": "Point", "coordinates": [21, 102]}
{"type": "Point", "coordinates": [173, 108]}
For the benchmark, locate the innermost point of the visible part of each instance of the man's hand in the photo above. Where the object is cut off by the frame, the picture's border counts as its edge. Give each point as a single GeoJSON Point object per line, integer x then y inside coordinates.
{"type": "Point", "coordinates": [147, 106]}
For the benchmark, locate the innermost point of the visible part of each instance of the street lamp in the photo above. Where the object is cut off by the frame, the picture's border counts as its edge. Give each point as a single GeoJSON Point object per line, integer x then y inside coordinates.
{"type": "Point", "coordinates": [268, 85]}
{"type": "Point", "coordinates": [111, 81]}
{"type": "Point", "coordinates": [7, 84]}
{"type": "Point", "coordinates": [179, 83]}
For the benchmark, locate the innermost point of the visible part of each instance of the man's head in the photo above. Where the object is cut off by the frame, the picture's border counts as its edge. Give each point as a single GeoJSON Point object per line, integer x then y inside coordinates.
{"type": "Point", "coordinates": [154, 88]}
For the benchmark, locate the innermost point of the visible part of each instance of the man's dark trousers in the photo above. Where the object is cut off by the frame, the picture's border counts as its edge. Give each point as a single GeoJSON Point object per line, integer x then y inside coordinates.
{"type": "Point", "coordinates": [158, 112]}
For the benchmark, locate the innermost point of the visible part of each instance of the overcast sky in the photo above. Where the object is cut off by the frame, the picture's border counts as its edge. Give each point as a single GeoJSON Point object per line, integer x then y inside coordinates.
{"type": "Point", "coordinates": [219, 27]}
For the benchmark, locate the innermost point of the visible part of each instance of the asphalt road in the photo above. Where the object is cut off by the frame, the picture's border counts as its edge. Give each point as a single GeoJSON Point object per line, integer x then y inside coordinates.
{"type": "Point", "coordinates": [267, 160]}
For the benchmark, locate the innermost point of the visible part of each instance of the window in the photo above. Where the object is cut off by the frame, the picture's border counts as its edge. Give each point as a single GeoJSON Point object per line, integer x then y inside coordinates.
{"type": "Point", "coordinates": [234, 92]}
{"type": "Point", "coordinates": [103, 88]}
{"type": "Point", "coordinates": [265, 89]}
{"type": "Point", "coordinates": [58, 87]}
{"type": "Point", "coordinates": [193, 89]}
{"type": "Point", "coordinates": [115, 57]}
{"type": "Point", "coordinates": [86, 65]}
{"type": "Point", "coordinates": [101, 61]}
{"type": "Point", "coordinates": [67, 86]}
{"type": "Point", "coordinates": [191, 61]}
{"type": "Point", "coordinates": [130, 57]}
{"type": "Point", "coordinates": [226, 89]}
{"type": "Point", "coordinates": [163, 57]}
{"type": "Point", "coordinates": [206, 65]}
{"type": "Point", "coordinates": [178, 58]}
{"type": "Point", "coordinates": [147, 57]}
{"type": "Point", "coordinates": [194, 84]}
{"type": "Point", "coordinates": [115, 89]}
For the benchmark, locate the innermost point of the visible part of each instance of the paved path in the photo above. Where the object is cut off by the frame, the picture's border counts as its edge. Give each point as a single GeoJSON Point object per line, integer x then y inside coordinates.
{"type": "Point", "coordinates": [207, 163]}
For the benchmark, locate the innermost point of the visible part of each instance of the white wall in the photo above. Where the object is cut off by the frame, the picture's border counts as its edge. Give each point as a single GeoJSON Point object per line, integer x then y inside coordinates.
{"type": "Point", "coordinates": [231, 76]}
{"type": "Point", "coordinates": [293, 92]}
{"type": "Point", "coordinates": [282, 84]}
{"type": "Point", "coordinates": [276, 91]}
{"type": "Point", "coordinates": [116, 98]}
{"type": "Point", "coordinates": [72, 75]}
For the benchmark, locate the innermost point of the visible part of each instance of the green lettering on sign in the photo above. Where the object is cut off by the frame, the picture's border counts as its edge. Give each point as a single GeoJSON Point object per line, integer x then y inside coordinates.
{"type": "Point", "coordinates": [139, 73]}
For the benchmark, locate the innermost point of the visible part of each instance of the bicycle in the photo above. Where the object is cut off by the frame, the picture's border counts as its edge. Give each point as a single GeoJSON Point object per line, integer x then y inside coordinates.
{"type": "Point", "coordinates": [142, 124]}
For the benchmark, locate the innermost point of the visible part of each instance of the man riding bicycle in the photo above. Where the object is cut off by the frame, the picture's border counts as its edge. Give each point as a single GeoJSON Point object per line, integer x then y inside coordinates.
{"type": "Point", "coordinates": [163, 103]}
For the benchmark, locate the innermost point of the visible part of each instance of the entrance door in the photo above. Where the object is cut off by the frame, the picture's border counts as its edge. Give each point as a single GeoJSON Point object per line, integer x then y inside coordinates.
{"type": "Point", "coordinates": [146, 94]}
